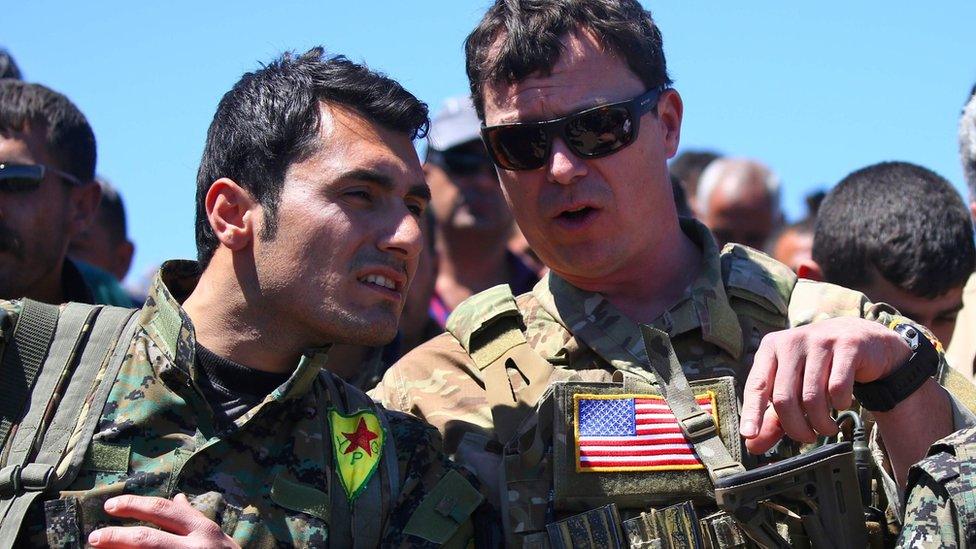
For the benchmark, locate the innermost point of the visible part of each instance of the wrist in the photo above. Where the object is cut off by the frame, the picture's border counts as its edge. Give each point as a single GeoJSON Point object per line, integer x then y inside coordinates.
{"type": "Point", "coordinates": [883, 394]}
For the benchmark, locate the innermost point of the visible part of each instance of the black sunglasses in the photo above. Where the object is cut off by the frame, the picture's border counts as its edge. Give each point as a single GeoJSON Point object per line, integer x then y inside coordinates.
{"type": "Point", "coordinates": [460, 162]}
{"type": "Point", "coordinates": [26, 177]}
{"type": "Point", "coordinates": [590, 133]}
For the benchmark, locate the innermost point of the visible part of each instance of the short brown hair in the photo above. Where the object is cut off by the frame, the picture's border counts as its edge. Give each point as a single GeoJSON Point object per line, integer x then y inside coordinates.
{"type": "Point", "coordinates": [530, 32]}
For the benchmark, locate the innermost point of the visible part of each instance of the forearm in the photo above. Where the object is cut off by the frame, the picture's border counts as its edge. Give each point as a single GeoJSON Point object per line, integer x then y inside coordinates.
{"type": "Point", "coordinates": [913, 425]}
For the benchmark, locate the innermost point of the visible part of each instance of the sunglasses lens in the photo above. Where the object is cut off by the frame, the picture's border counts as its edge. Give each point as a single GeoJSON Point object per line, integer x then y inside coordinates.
{"type": "Point", "coordinates": [18, 184]}
{"type": "Point", "coordinates": [600, 131]}
{"type": "Point", "coordinates": [518, 147]}
{"type": "Point", "coordinates": [20, 177]}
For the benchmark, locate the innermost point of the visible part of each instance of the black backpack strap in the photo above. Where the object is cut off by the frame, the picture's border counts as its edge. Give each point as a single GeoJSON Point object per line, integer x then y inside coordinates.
{"type": "Point", "coordinates": [22, 359]}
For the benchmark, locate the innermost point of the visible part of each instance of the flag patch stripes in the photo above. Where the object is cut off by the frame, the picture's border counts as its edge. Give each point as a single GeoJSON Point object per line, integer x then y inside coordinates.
{"type": "Point", "coordinates": [618, 433]}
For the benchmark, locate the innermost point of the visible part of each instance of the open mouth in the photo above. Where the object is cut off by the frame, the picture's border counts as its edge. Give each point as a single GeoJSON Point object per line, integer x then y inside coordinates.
{"type": "Point", "coordinates": [380, 281]}
{"type": "Point", "coordinates": [577, 215]}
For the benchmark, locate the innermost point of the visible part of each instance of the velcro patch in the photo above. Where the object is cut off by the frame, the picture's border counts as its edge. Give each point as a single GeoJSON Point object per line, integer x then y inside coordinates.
{"type": "Point", "coordinates": [357, 443]}
{"type": "Point", "coordinates": [633, 432]}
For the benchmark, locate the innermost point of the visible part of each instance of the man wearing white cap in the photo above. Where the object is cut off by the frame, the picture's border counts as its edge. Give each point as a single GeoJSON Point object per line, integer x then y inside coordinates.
{"type": "Point", "coordinates": [473, 221]}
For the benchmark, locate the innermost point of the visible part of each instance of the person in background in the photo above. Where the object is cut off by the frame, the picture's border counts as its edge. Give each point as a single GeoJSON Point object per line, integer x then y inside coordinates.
{"type": "Point", "coordinates": [473, 221]}
{"type": "Point", "coordinates": [48, 193]}
{"type": "Point", "coordinates": [8, 67]}
{"type": "Point", "coordinates": [688, 167]}
{"type": "Point", "coordinates": [961, 352]}
{"type": "Point", "coordinates": [738, 199]}
{"type": "Point", "coordinates": [105, 244]}
{"type": "Point", "coordinates": [103, 252]}
{"type": "Point", "coordinates": [681, 198]}
{"type": "Point", "coordinates": [792, 245]}
{"type": "Point", "coordinates": [900, 234]}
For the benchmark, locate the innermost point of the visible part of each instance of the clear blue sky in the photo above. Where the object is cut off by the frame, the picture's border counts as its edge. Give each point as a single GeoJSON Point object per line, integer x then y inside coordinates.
{"type": "Point", "coordinates": [815, 90]}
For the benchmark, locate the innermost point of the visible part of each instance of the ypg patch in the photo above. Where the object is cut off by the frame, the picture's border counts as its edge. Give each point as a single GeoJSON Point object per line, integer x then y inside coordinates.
{"type": "Point", "coordinates": [357, 443]}
{"type": "Point", "coordinates": [617, 433]}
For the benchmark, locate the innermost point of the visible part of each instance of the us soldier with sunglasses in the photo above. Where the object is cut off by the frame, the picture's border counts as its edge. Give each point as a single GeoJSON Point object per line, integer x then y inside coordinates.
{"type": "Point", "coordinates": [48, 193]}
{"type": "Point", "coordinates": [549, 395]}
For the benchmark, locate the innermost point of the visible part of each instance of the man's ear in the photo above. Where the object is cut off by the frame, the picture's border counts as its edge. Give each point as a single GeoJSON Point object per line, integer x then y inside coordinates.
{"type": "Point", "coordinates": [232, 213]}
{"type": "Point", "coordinates": [122, 259]}
{"type": "Point", "coordinates": [84, 207]}
{"type": "Point", "coordinates": [972, 209]}
{"type": "Point", "coordinates": [808, 268]}
{"type": "Point", "coordinates": [670, 109]}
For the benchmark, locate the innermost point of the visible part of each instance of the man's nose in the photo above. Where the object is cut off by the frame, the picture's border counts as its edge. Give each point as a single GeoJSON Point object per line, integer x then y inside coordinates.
{"type": "Point", "coordinates": [564, 166]}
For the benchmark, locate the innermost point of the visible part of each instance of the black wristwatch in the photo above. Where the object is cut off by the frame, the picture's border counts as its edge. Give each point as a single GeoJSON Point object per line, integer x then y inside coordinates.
{"type": "Point", "coordinates": [883, 394]}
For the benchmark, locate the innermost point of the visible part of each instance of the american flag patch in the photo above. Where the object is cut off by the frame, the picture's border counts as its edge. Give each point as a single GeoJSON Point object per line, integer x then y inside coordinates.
{"type": "Point", "coordinates": [616, 433]}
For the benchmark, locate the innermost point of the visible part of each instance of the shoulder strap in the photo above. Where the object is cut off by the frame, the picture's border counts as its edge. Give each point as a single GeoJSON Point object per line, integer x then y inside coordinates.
{"type": "Point", "coordinates": [489, 326]}
{"type": "Point", "coordinates": [77, 396]}
{"type": "Point", "coordinates": [696, 424]}
{"type": "Point", "coordinates": [22, 359]}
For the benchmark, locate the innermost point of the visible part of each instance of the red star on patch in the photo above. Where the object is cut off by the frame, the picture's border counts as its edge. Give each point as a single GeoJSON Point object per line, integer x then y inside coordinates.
{"type": "Point", "coordinates": [360, 439]}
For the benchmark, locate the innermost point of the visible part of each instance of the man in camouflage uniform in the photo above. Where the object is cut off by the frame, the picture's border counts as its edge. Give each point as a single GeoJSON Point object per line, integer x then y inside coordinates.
{"type": "Point", "coordinates": [222, 427]}
{"type": "Point", "coordinates": [941, 508]}
{"type": "Point", "coordinates": [591, 194]}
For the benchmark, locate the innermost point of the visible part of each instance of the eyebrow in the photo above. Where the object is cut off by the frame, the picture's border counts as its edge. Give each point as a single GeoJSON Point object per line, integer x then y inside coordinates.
{"type": "Point", "coordinates": [954, 309]}
{"type": "Point", "coordinates": [418, 190]}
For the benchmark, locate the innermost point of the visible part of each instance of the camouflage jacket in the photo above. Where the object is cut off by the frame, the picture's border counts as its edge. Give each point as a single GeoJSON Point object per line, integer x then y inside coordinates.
{"type": "Point", "coordinates": [941, 509]}
{"type": "Point", "coordinates": [269, 479]}
{"type": "Point", "coordinates": [739, 296]}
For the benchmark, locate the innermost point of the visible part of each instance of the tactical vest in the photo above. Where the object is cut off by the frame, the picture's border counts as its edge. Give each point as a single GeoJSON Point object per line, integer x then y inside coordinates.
{"type": "Point", "coordinates": [57, 369]}
{"type": "Point", "coordinates": [551, 494]}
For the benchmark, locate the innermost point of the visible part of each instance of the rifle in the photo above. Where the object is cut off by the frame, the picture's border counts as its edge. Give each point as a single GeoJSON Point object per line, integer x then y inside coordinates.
{"type": "Point", "coordinates": [817, 493]}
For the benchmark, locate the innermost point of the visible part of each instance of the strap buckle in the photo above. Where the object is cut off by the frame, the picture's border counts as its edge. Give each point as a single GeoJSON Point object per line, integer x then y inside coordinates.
{"type": "Point", "coordinates": [697, 426]}
{"type": "Point", "coordinates": [33, 477]}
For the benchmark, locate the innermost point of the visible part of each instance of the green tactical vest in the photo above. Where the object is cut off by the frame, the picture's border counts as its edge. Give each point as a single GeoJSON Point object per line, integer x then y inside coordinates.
{"type": "Point", "coordinates": [545, 499]}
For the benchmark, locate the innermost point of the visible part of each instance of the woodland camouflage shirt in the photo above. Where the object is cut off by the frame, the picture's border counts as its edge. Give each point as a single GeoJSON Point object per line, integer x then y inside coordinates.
{"type": "Point", "coordinates": [268, 479]}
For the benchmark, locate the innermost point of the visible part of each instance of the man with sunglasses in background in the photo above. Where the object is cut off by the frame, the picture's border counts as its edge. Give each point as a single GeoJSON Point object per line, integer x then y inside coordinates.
{"type": "Point", "coordinates": [48, 193]}
{"type": "Point", "coordinates": [548, 396]}
{"type": "Point", "coordinates": [473, 221]}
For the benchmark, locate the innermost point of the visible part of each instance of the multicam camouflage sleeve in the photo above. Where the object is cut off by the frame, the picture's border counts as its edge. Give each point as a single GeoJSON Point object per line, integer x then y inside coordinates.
{"type": "Point", "coordinates": [440, 504]}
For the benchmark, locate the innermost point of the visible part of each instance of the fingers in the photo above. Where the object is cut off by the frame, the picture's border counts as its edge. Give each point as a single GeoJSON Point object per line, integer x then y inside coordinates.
{"type": "Point", "coordinates": [758, 389]}
{"type": "Point", "coordinates": [768, 436]}
{"type": "Point", "coordinates": [114, 537]}
{"type": "Point", "coordinates": [815, 395]}
{"type": "Point", "coordinates": [176, 516]}
{"type": "Point", "coordinates": [840, 384]}
{"type": "Point", "coordinates": [791, 359]}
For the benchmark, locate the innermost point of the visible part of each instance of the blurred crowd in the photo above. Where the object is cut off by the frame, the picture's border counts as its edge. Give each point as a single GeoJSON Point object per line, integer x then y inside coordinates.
{"type": "Point", "coordinates": [895, 231]}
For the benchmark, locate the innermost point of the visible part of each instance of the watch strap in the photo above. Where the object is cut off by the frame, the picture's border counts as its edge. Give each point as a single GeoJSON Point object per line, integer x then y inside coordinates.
{"type": "Point", "coordinates": [883, 394]}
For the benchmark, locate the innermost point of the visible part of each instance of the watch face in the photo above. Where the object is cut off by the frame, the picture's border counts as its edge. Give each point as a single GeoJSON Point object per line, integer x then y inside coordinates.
{"type": "Point", "coordinates": [910, 333]}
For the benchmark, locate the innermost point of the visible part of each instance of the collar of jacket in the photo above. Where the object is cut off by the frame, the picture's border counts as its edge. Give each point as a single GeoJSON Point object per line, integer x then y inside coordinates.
{"type": "Point", "coordinates": [170, 328]}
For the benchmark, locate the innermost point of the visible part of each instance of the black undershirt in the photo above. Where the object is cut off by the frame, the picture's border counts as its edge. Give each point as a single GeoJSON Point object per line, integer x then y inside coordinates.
{"type": "Point", "coordinates": [230, 388]}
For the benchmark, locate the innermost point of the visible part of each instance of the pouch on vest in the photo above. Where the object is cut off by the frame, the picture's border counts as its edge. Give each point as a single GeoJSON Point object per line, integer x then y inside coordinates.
{"type": "Point", "coordinates": [620, 443]}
